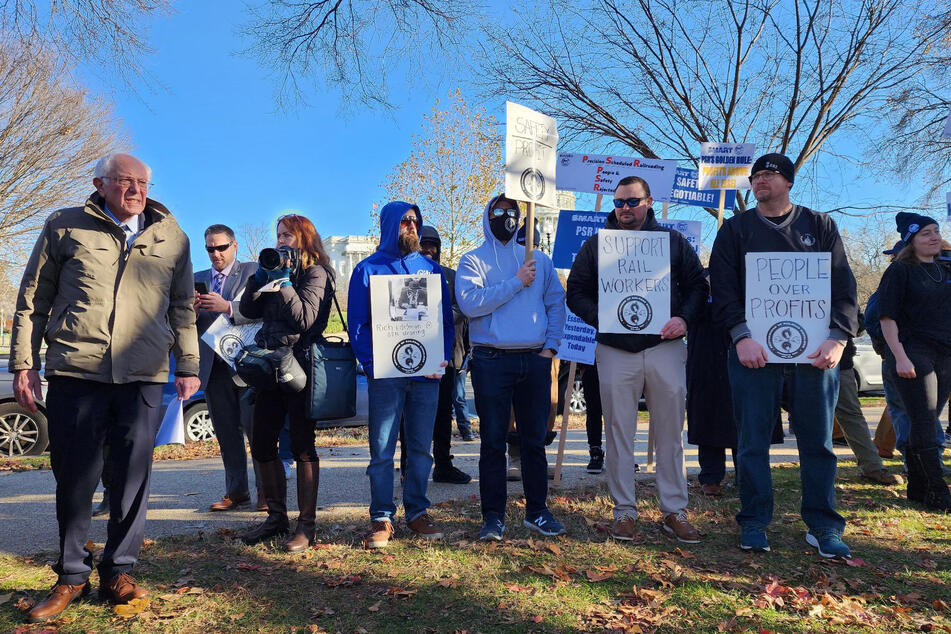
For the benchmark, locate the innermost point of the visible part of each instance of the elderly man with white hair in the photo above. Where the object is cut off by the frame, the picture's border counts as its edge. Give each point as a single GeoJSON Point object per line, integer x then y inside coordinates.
{"type": "Point", "coordinates": [109, 287]}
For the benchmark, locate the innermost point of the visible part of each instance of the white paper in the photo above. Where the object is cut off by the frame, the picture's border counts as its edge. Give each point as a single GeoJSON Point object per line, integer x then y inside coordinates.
{"type": "Point", "coordinates": [600, 173]}
{"type": "Point", "coordinates": [577, 341]}
{"type": "Point", "coordinates": [531, 140]}
{"type": "Point", "coordinates": [725, 165]}
{"type": "Point", "coordinates": [172, 429]}
{"type": "Point", "coordinates": [227, 339]}
{"type": "Point", "coordinates": [788, 301]}
{"type": "Point", "coordinates": [633, 281]}
{"type": "Point", "coordinates": [406, 318]}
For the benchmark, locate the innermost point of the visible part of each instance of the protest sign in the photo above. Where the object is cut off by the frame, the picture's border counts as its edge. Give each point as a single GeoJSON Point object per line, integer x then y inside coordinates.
{"type": "Point", "coordinates": [946, 134]}
{"type": "Point", "coordinates": [577, 341]}
{"type": "Point", "coordinates": [172, 429]}
{"type": "Point", "coordinates": [633, 281]}
{"type": "Point", "coordinates": [574, 227]}
{"type": "Point", "coordinates": [725, 165]}
{"type": "Point", "coordinates": [686, 192]}
{"type": "Point", "coordinates": [600, 173]}
{"type": "Point", "coordinates": [948, 199]}
{"type": "Point", "coordinates": [406, 322]}
{"type": "Point", "coordinates": [227, 339]}
{"type": "Point", "coordinates": [788, 301]}
{"type": "Point", "coordinates": [531, 139]}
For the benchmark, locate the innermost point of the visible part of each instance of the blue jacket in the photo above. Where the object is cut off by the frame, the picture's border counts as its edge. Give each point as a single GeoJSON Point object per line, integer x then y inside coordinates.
{"type": "Point", "coordinates": [388, 261]}
{"type": "Point", "coordinates": [502, 313]}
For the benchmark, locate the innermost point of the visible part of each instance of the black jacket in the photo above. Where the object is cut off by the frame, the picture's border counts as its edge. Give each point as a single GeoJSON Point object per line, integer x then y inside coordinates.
{"type": "Point", "coordinates": [294, 316]}
{"type": "Point", "coordinates": [803, 231]}
{"type": "Point", "coordinates": [688, 289]}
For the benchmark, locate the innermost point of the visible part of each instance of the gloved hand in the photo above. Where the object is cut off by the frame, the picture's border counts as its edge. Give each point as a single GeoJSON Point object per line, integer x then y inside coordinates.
{"type": "Point", "coordinates": [263, 276]}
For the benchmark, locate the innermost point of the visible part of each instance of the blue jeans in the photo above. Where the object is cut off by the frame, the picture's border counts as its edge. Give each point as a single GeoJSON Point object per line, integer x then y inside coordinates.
{"type": "Point", "coordinates": [414, 401]}
{"type": "Point", "coordinates": [500, 381]}
{"type": "Point", "coordinates": [459, 404]}
{"type": "Point", "coordinates": [812, 394]}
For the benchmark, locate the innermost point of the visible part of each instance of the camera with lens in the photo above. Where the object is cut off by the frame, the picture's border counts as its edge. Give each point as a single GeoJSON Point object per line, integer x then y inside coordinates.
{"type": "Point", "coordinates": [279, 258]}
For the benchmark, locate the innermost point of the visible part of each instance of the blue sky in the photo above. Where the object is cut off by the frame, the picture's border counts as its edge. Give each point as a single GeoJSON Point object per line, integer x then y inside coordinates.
{"type": "Point", "coordinates": [222, 151]}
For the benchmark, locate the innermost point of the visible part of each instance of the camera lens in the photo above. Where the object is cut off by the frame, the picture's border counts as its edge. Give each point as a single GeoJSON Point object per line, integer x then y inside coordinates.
{"type": "Point", "coordinates": [270, 259]}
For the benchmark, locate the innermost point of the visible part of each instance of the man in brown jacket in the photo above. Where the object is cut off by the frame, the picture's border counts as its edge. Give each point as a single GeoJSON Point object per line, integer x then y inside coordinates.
{"type": "Point", "coordinates": [109, 287]}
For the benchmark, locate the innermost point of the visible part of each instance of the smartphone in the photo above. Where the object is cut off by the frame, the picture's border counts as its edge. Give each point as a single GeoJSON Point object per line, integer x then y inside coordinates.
{"type": "Point", "coordinates": [201, 288]}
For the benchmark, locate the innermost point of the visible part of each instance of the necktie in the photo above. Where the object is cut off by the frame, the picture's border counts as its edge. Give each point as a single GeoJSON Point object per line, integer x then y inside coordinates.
{"type": "Point", "coordinates": [218, 283]}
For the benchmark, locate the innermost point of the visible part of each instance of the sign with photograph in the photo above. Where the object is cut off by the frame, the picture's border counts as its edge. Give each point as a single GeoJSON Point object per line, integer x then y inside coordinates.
{"type": "Point", "coordinates": [531, 141]}
{"type": "Point", "coordinates": [600, 173]}
{"type": "Point", "coordinates": [725, 165]}
{"type": "Point", "coordinates": [406, 322]}
{"type": "Point", "coordinates": [577, 342]}
{"type": "Point", "coordinates": [633, 281]}
{"type": "Point", "coordinates": [788, 301]}
{"type": "Point", "coordinates": [574, 227]}
{"type": "Point", "coordinates": [227, 339]}
{"type": "Point", "coordinates": [686, 192]}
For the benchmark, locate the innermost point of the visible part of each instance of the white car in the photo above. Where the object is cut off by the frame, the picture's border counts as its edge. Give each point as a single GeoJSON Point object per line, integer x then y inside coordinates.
{"type": "Point", "coordinates": [868, 366]}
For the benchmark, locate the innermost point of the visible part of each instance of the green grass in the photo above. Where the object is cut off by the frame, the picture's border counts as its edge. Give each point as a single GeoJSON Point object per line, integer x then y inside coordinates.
{"type": "Point", "coordinates": [901, 579]}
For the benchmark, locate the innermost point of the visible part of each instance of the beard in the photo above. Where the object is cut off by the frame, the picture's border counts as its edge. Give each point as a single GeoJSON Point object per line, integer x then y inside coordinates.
{"type": "Point", "coordinates": [408, 243]}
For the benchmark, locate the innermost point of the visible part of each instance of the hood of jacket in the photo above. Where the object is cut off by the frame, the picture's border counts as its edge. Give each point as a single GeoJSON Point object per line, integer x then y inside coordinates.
{"type": "Point", "coordinates": [390, 217]}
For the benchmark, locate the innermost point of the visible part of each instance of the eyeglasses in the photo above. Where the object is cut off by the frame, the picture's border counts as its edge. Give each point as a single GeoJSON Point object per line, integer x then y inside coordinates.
{"type": "Point", "coordinates": [126, 182]}
{"type": "Point", "coordinates": [630, 202]}
{"type": "Point", "coordinates": [763, 174]}
{"type": "Point", "coordinates": [498, 213]}
{"type": "Point", "coordinates": [220, 248]}
{"type": "Point", "coordinates": [293, 217]}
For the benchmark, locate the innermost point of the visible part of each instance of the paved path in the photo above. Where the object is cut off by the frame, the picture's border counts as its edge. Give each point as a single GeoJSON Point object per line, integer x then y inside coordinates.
{"type": "Point", "coordinates": [183, 490]}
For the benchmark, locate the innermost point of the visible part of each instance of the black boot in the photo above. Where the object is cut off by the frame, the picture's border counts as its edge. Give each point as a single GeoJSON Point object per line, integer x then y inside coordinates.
{"type": "Point", "coordinates": [275, 491]}
{"type": "Point", "coordinates": [308, 480]}
{"type": "Point", "coordinates": [917, 485]}
{"type": "Point", "coordinates": [936, 494]}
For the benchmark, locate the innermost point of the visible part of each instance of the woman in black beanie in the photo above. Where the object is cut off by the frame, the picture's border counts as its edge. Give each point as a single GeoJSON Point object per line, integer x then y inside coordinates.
{"type": "Point", "coordinates": [914, 296]}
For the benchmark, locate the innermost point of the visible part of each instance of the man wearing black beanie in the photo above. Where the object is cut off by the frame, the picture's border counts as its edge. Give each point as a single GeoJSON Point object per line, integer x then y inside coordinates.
{"type": "Point", "coordinates": [776, 224]}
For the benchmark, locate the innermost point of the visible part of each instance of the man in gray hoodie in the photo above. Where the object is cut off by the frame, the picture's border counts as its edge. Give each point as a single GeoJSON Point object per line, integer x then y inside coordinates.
{"type": "Point", "coordinates": [516, 314]}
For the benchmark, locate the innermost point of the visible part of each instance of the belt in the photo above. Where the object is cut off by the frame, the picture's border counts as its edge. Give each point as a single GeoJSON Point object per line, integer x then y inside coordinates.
{"type": "Point", "coordinates": [509, 350]}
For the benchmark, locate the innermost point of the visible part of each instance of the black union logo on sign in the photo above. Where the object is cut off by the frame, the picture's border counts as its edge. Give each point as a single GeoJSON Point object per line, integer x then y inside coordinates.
{"type": "Point", "coordinates": [634, 312]}
{"type": "Point", "coordinates": [786, 339]}
{"type": "Point", "coordinates": [533, 184]}
{"type": "Point", "coordinates": [230, 346]}
{"type": "Point", "coordinates": [409, 356]}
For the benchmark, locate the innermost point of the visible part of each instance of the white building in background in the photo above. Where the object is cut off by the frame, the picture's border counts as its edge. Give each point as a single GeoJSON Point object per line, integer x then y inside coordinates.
{"type": "Point", "coordinates": [345, 253]}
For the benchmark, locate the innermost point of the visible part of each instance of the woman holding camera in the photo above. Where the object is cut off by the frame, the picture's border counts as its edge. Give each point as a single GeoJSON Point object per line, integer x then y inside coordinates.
{"type": "Point", "coordinates": [291, 292]}
{"type": "Point", "coordinates": [914, 296]}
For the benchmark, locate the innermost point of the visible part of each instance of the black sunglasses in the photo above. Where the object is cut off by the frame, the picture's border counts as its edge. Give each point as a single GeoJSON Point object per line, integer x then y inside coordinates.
{"type": "Point", "coordinates": [221, 248]}
{"type": "Point", "coordinates": [630, 202]}
{"type": "Point", "coordinates": [498, 213]}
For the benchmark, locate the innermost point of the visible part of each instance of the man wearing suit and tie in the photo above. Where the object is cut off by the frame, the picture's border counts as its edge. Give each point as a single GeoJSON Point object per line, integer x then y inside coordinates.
{"type": "Point", "coordinates": [223, 284]}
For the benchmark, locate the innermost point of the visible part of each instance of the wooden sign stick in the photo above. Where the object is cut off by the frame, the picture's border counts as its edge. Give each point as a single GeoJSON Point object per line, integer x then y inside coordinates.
{"type": "Point", "coordinates": [663, 211]}
{"type": "Point", "coordinates": [565, 412]}
{"type": "Point", "coordinates": [720, 209]}
{"type": "Point", "coordinates": [530, 232]}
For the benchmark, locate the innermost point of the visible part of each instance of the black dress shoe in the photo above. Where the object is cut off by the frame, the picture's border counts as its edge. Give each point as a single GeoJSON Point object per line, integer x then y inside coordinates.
{"type": "Point", "coordinates": [451, 475]}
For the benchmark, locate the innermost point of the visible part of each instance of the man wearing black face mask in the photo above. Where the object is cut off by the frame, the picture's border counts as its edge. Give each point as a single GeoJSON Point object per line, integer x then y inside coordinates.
{"type": "Point", "coordinates": [516, 316]}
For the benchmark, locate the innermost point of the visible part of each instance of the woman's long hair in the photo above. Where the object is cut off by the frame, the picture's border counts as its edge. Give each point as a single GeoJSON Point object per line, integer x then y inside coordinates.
{"type": "Point", "coordinates": [308, 241]}
{"type": "Point", "coordinates": [907, 254]}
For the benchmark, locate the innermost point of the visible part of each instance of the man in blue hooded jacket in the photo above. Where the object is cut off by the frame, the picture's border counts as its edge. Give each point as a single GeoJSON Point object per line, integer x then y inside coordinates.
{"type": "Point", "coordinates": [411, 399]}
{"type": "Point", "coordinates": [516, 316]}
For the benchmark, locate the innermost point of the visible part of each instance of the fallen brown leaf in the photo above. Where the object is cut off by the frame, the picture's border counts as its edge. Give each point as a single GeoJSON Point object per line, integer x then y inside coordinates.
{"type": "Point", "coordinates": [375, 607]}
{"type": "Point", "coordinates": [132, 608]}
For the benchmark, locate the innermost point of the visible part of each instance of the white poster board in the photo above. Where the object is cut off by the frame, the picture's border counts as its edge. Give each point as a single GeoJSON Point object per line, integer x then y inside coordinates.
{"type": "Point", "coordinates": [600, 173]}
{"type": "Point", "coordinates": [633, 281]}
{"type": "Point", "coordinates": [725, 165]}
{"type": "Point", "coordinates": [577, 341]}
{"type": "Point", "coordinates": [531, 140]}
{"type": "Point", "coordinates": [406, 322]}
{"type": "Point", "coordinates": [227, 339]}
{"type": "Point", "coordinates": [788, 301]}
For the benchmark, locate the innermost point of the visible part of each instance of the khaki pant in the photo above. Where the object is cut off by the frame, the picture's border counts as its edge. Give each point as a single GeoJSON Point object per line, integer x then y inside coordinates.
{"type": "Point", "coordinates": [659, 373]}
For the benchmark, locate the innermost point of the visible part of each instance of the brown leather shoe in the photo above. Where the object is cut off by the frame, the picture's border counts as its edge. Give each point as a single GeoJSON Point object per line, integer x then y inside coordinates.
{"type": "Point", "coordinates": [262, 502]}
{"type": "Point", "coordinates": [424, 527]}
{"type": "Point", "coordinates": [711, 490]}
{"type": "Point", "coordinates": [381, 531]}
{"type": "Point", "coordinates": [53, 605]}
{"type": "Point", "coordinates": [121, 589]}
{"type": "Point", "coordinates": [883, 476]}
{"type": "Point", "coordinates": [677, 525]}
{"type": "Point", "coordinates": [229, 503]}
{"type": "Point", "coordinates": [623, 528]}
